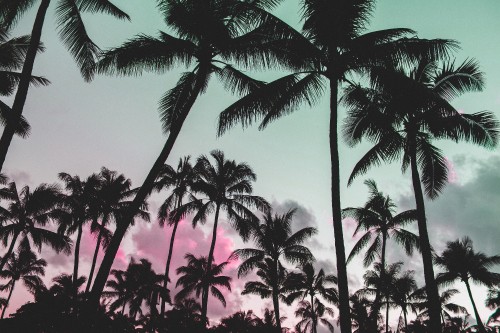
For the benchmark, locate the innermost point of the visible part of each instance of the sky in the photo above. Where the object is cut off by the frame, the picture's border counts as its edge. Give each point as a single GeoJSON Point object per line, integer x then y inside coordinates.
{"type": "Point", "coordinates": [77, 127]}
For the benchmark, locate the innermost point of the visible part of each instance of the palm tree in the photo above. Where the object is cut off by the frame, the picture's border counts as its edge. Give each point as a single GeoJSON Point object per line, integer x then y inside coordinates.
{"type": "Point", "coordinates": [185, 316]}
{"type": "Point", "coordinates": [211, 35]}
{"type": "Point", "coordinates": [308, 283]}
{"type": "Point", "coordinates": [225, 186]}
{"type": "Point", "coordinates": [402, 112]}
{"type": "Point", "coordinates": [447, 307]}
{"type": "Point", "coordinates": [196, 277]}
{"type": "Point", "coordinates": [274, 241]}
{"type": "Point", "coordinates": [240, 322]}
{"type": "Point", "coordinates": [403, 294]}
{"type": "Point", "coordinates": [77, 201]}
{"type": "Point", "coordinates": [24, 266]}
{"type": "Point", "coordinates": [112, 196]}
{"type": "Point", "coordinates": [120, 289]}
{"type": "Point", "coordinates": [26, 213]}
{"type": "Point", "coordinates": [72, 31]}
{"type": "Point", "coordinates": [311, 314]}
{"type": "Point", "coordinates": [180, 181]}
{"type": "Point", "coordinates": [460, 261]}
{"type": "Point", "coordinates": [378, 220]}
{"type": "Point", "coordinates": [361, 313]}
{"type": "Point", "coordinates": [332, 47]}
{"type": "Point", "coordinates": [493, 298]}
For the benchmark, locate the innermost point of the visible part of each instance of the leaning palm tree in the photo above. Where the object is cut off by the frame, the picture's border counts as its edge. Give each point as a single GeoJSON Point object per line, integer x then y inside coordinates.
{"type": "Point", "coordinates": [274, 242]}
{"type": "Point", "coordinates": [403, 111]}
{"type": "Point", "coordinates": [72, 31]}
{"type": "Point", "coordinates": [309, 284]}
{"type": "Point", "coordinates": [197, 275]}
{"type": "Point", "coordinates": [77, 202]}
{"type": "Point", "coordinates": [312, 314]}
{"type": "Point", "coordinates": [179, 181]}
{"type": "Point", "coordinates": [25, 216]}
{"type": "Point", "coordinates": [212, 37]}
{"type": "Point", "coordinates": [224, 186]}
{"type": "Point", "coordinates": [460, 261]}
{"type": "Point", "coordinates": [24, 266]}
{"type": "Point", "coordinates": [332, 46]}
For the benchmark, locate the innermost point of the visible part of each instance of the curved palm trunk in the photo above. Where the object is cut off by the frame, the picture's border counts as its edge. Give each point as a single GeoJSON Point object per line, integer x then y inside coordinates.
{"type": "Point", "coordinates": [204, 299]}
{"type": "Point", "coordinates": [9, 251]}
{"type": "Point", "coordinates": [94, 261]}
{"type": "Point", "coordinates": [8, 299]}
{"type": "Point", "coordinates": [482, 329]}
{"type": "Point", "coordinates": [144, 191]}
{"type": "Point", "coordinates": [77, 259]}
{"type": "Point", "coordinates": [169, 258]}
{"type": "Point", "coordinates": [344, 310]}
{"type": "Point", "coordinates": [24, 83]}
{"type": "Point", "coordinates": [425, 246]}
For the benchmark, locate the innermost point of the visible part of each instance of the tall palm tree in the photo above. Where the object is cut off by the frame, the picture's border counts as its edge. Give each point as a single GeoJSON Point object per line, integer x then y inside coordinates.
{"type": "Point", "coordinates": [224, 186]}
{"type": "Point", "coordinates": [179, 181]}
{"type": "Point", "coordinates": [460, 261]}
{"type": "Point", "coordinates": [197, 275]}
{"type": "Point", "coordinates": [311, 315]}
{"type": "Point", "coordinates": [274, 242]}
{"type": "Point", "coordinates": [308, 283]}
{"type": "Point", "coordinates": [72, 31]}
{"type": "Point", "coordinates": [24, 266]}
{"type": "Point", "coordinates": [212, 36]}
{"type": "Point", "coordinates": [78, 202]}
{"type": "Point", "coordinates": [332, 46]}
{"type": "Point", "coordinates": [378, 220]}
{"type": "Point", "coordinates": [112, 202]}
{"type": "Point", "coordinates": [401, 113]}
{"type": "Point", "coordinates": [25, 216]}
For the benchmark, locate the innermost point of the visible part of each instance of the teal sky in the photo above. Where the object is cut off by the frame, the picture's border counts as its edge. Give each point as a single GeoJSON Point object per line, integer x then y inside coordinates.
{"type": "Point", "coordinates": [78, 127]}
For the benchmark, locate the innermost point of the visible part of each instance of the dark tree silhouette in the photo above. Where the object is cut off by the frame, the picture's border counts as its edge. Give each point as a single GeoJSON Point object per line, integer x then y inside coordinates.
{"type": "Point", "coordinates": [460, 261]}
{"type": "Point", "coordinates": [361, 314]}
{"type": "Point", "coordinates": [72, 31]}
{"type": "Point", "coordinates": [402, 112]}
{"type": "Point", "coordinates": [312, 314]}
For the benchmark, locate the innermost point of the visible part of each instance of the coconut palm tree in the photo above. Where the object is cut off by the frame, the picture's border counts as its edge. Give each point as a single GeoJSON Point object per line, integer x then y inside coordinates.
{"type": "Point", "coordinates": [196, 276]}
{"type": "Point", "coordinates": [274, 242]}
{"type": "Point", "coordinates": [361, 313]}
{"type": "Point", "coordinates": [120, 289]}
{"type": "Point", "coordinates": [25, 216]}
{"type": "Point", "coordinates": [111, 204]}
{"type": "Point", "coordinates": [78, 203]}
{"type": "Point", "coordinates": [310, 316]}
{"type": "Point", "coordinates": [309, 284]}
{"type": "Point", "coordinates": [179, 181]}
{"type": "Point", "coordinates": [493, 298]}
{"type": "Point", "coordinates": [447, 307]}
{"type": "Point", "coordinates": [404, 296]}
{"type": "Point", "coordinates": [211, 37]}
{"type": "Point", "coordinates": [24, 266]}
{"type": "Point", "coordinates": [224, 186]}
{"type": "Point", "coordinates": [332, 46]}
{"type": "Point", "coordinates": [460, 261]}
{"type": "Point", "coordinates": [402, 112]}
{"type": "Point", "coordinates": [72, 31]}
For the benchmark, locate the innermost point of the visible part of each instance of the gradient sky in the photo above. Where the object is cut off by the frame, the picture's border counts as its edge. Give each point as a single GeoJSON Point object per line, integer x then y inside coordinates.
{"type": "Point", "coordinates": [78, 127]}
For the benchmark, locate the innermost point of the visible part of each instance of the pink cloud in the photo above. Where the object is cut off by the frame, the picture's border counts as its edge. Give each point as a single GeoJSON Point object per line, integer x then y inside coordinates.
{"type": "Point", "coordinates": [452, 173]}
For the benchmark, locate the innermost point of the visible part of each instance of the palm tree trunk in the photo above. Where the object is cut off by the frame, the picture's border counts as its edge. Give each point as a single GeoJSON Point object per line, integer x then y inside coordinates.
{"type": "Point", "coordinates": [9, 251]}
{"type": "Point", "coordinates": [169, 258]}
{"type": "Point", "coordinates": [425, 247]}
{"type": "Point", "coordinates": [482, 329]}
{"type": "Point", "coordinates": [24, 83]}
{"type": "Point", "coordinates": [8, 299]}
{"type": "Point", "coordinates": [77, 258]}
{"type": "Point", "coordinates": [204, 300]}
{"type": "Point", "coordinates": [377, 303]}
{"type": "Point", "coordinates": [406, 320]}
{"type": "Point", "coordinates": [94, 261]}
{"type": "Point", "coordinates": [315, 321]}
{"type": "Point", "coordinates": [386, 314]}
{"type": "Point", "coordinates": [344, 310]}
{"type": "Point", "coordinates": [144, 191]}
{"type": "Point", "coordinates": [276, 304]}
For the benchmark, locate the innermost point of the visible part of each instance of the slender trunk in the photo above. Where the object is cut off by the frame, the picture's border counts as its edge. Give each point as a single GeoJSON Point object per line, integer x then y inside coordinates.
{"type": "Point", "coordinates": [386, 314]}
{"type": "Point", "coordinates": [169, 258]}
{"type": "Point", "coordinates": [24, 83]}
{"type": "Point", "coordinates": [315, 320]}
{"type": "Point", "coordinates": [123, 308]}
{"type": "Point", "coordinates": [9, 251]}
{"type": "Point", "coordinates": [144, 191]}
{"type": "Point", "coordinates": [482, 329]}
{"type": "Point", "coordinates": [204, 300]}
{"type": "Point", "coordinates": [276, 301]}
{"type": "Point", "coordinates": [377, 304]}
{"type": "Point", "coordinates": [406, 320]}
{"type": "Point", "coordinates": [94, 261]}
{"type": "Point", "coordinates": [344, 311]}
{"type": "Point", "coordinates": [8, 300]}
{"type": "Point", "coordinates": [382, 278]}
{"type": "Point", "coordinates": [425, 246]}
{"type": "Point", "coordinates": [77, 258]}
